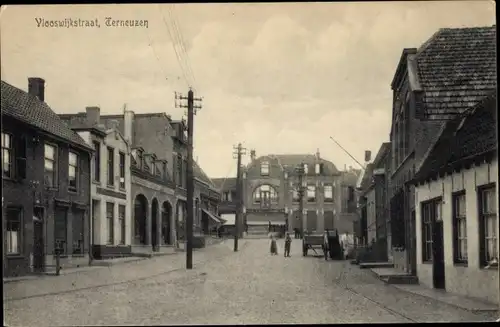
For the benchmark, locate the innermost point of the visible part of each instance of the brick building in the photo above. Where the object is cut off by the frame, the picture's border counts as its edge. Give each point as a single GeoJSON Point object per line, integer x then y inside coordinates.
{"type": "Point", "coordinates": [159, 179]}
{"type": "Point", "coordinates": [428, 89]}
{"type": "Point", "coordinates": [270, 193]}
{"type": "Point", "coordinates": [46, 184]}
{"type": "Point", "coordinates": [457, 206]}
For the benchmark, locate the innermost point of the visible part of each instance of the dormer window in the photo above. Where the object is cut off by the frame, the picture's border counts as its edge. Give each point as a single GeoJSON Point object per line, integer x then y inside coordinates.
{"type": "Point", "coordinates": [264, 168]}
{"type": "Point", "coordinates": [317, 169]}
{"type": "Point", "coordinates": [306, 169]}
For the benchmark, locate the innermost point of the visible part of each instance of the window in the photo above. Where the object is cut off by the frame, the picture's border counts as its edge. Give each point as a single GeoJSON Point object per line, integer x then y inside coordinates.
{"type": "Point", "coordinates": [110, 213]}
{"type": "Point", "coordinates": [265, 195]}
{"type": "Point", "coordinates": [311, 193]}
{"type": "Point", "coordinates": [61, 230]}
{"type": "Point", "coordinates": [488, 225]}
{"type": "Point", "coordinates": [459, 228]}
{"type": "Point", "coordinates": [97, 161]}
{"type": "Point", "coordinates": [306, 169]}
{"type": "Point", "coordinates": [140, 158]}
{"type": "Point", "coordinates": [122, 170]}
{"type": "Point", "coordinates": [295, 193]}
{"type": "Point", "coordinates": [111, 166]}
{"type": "Point", "coordinates": [317, 169]}
{"type": "Point", "coordinates": [121, 217]}
{"type": "Point", "coordinates": [73, 171]}
{"type": "Point", "coordinates": [14, 230]}
{"type": "Point", "coordinates": [264, 168]}
{"type": "Point", "coordinates": [78, 230]}
{"type": "Point", "coordinates": [233, 195]}
{"type": "Point", "coordinates": [165, 174]}
{"type": "Point", "coordinates": [226, 196]}
{"type": "Point", "coordinates": [427, 220]}
{"type": "Point", "coordinates": [328, 192]}
{"type": "Point", "coordinates": [50, 170]}
{"type": "Point", "coordinates": [7, 151]}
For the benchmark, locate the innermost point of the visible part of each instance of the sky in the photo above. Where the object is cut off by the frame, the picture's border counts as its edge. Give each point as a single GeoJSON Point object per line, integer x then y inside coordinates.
{"type": "Point", "coordinates": [279, 78]}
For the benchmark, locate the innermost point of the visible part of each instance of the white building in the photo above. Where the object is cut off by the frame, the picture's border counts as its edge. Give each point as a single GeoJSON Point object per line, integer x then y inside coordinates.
{"type": "Point", "coordinates": [111, 210]}
{"type": "Point", "coordinates": [456, 192]}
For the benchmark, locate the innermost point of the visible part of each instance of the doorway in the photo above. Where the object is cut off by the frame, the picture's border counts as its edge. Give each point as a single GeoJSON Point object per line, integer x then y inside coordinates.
{"type": "Point", "coordinates": [413, 244]}
{"type": "Point", "coordinates": [438, 267]}
{"type": "Point", "coordinates": [38, 240]}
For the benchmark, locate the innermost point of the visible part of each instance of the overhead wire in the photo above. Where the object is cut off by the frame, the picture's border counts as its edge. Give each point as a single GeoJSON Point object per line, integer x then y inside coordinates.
{"type": "Point", "coordinates": [175, 49]}
{"type": "Point", "coordinates": [182, 42]}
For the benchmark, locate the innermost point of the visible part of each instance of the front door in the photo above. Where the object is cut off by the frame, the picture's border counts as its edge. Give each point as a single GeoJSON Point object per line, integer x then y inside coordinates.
{"type": "Point", "coordinates": [38, 240]}
{"type": "Point", "coordinates": [438, 268]}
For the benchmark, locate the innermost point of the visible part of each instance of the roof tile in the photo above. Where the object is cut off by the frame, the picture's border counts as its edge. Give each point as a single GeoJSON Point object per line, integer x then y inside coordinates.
{"type": "Point", "coordinates": [27, 108]}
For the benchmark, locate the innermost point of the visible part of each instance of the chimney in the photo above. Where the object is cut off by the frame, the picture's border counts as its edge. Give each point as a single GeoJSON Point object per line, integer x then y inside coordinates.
{"type": "Point", "coordinates": [252, 155]}
{"type": "Point", "coordinates": [36, 87]}
{"type": "Point", "coordinates": [317, 154]}
{"type": "Point", "coordinates": [93, 115]}
{"type": "Point", "coordinates": [128, 124]}
{"type": "Point", "coordinates": [368, 155]}
{"type": "Point", "coordinates": [113, 124]}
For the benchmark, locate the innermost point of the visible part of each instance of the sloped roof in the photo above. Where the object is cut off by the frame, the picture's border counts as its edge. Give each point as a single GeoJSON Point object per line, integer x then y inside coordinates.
{"type": "Point", "coordinates": [465, 137]}
{"type": "Point", "coordinates": [27, 108]}
{"type": "Point", "coordinates": [200, 174]}
{"type": "Point", "coordinates": [291, 161]}
{"type": "Point", "coordinates": [384, 149]}
{"type": "Point", "coordinates": [225, 183]}
{"type": "Point", "coordinates": [457, 68]}
{"type": "Point", "coordinates": [366, 180]}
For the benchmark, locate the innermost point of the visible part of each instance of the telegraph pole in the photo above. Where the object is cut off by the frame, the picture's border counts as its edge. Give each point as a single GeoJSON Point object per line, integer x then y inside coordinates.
{"type": "Point", "coordinates": [239, 192]}
{"type": "Point", "coordinates": [191, 111]}
{"type": "Point", "coordinates": [300, 171]}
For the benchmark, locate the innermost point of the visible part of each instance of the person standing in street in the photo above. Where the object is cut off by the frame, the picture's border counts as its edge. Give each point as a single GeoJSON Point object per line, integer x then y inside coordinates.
{"type": "Point", "coordinates": [274, 246]}
{"type": "Point", "coordinates": [288, 244]}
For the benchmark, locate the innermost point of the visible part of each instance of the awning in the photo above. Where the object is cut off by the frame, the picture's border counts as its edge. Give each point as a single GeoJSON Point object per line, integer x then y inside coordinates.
{"type": "Point", "coordinates": [213, 217]}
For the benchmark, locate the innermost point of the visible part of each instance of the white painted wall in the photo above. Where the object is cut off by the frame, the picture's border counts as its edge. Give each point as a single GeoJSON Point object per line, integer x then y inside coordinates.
{"type": "Point", "coordinates": [470, 280]}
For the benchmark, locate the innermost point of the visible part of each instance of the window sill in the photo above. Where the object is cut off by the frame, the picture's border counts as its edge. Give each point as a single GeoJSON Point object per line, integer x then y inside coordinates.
{"type": "Point", "coordinates": [96, 182]}
{"type": "Point", "coordinates": [72, 191]}
{"type": "Point", "coordinates": [78, 255]}
{"type": "Point", "coordinates": [111, 187]}
{"type": "Point", "coordinates": [122, 189]}
{"type": "Point", "coordinates": [489, 268]}
{"type": "Point", "coordinates": [52, 188]}
{"type": "Point", "coordinates": [427, 262]}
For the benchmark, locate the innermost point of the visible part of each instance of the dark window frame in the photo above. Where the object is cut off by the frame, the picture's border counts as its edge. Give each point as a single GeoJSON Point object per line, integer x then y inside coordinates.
{"type": "Point", "coordinates": [54, 165]}
{"type": "Point", "coordinates": [19, 221]}
{"type": "Point", "coordinates": [97, 161]}
{"type": "Point", "coordinates": [110, 223]}
{"type": "Point", "coordinates": [457, 220]}
{"type": "Point", "coordinates": [9, 148]}
{"type": "Point", "coordinates": [122, 213]}
{"type": "Point", "coordinates": [76, 166]}
{"type": "Point", "coordinates": [484, 256]}
{"type": "Point", "coordinates": [111, 166]}
{"type": "Point", "coordinates": [122, 162]}
{"type": "Point", "coordinates": [427, 222]}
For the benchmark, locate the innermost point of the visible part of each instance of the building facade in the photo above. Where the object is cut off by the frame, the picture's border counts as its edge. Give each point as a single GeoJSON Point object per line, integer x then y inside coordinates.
{"type": "Point", "coordinates": [423, 99]}
{"type": "Point", "coordinates": [457, 207]}
{"type": "Point", "coordinates": [111, 207]}
{"type": "Point", "coordinates": [271, 194]}
{"type": "Point", "coordinates": [46, 185]}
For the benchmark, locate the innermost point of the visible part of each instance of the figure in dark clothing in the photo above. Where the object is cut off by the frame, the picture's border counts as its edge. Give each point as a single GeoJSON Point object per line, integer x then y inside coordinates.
{"type": "Point", "coordinates": [288, 243]}
{"type": "Point", "coordinates": [274, 246]}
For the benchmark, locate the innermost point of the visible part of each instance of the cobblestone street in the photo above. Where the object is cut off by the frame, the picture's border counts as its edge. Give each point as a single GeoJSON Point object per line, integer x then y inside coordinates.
{"type": "Point", "coordinates": [248, 287]}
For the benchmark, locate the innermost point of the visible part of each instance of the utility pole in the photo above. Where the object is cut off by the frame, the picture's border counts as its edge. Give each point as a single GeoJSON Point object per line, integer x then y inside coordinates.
{"type": "Point", "coordinates": [301, 190]}
{"type": "Point", "coordinates": [239, 194]}
{"type": "Point", "coordinates": [191, 111]}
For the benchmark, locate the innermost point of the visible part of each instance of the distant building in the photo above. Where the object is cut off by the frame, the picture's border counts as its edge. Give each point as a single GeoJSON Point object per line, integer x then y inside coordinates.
{"type": "Point", "coordinates": [271, 198]}
{"type": "Point", "coordinates": [46, 185]}
{"type": "Point", "coordinates": [456, 198]}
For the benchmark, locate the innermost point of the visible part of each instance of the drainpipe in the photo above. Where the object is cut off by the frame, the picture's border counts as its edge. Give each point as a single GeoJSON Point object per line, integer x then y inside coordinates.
{"type": "Point", "coordinates": [90, 211]}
